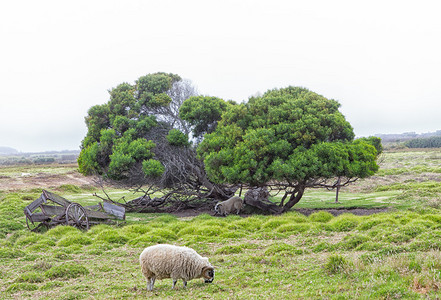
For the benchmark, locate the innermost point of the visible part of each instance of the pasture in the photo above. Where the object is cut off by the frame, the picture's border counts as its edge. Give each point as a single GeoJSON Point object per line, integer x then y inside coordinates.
{"type": "Point", "coordinates": [394, 254]}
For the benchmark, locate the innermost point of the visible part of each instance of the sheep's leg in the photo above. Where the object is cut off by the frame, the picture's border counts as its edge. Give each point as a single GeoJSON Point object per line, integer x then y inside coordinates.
{"type": "Point", "coordinates": [152, 282]}
{"type": "Point", "coordinates": [185, 282]}
{"type": "Point", "coordinates": [174, 283]}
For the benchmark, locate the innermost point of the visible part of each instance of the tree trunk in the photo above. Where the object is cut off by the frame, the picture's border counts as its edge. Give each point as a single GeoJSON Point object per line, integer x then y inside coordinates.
{"type": "Point", "coordinates": [294, 199]}
{"type": "Point", "coordinates": [258, 198]}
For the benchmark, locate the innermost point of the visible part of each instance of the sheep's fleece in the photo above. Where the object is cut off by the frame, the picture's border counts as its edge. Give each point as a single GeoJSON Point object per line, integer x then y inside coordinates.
{"type": "Point", "coordinates": [169, 261]}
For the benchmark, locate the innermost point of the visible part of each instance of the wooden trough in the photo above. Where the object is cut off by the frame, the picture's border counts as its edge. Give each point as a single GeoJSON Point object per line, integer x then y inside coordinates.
{"type": "Point", "coordinates": [40, 213]}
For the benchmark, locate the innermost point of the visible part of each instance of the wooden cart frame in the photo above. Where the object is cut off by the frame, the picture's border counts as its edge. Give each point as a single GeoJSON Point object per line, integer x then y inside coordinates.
{"type": "Point", "coordinates": [40, 214]}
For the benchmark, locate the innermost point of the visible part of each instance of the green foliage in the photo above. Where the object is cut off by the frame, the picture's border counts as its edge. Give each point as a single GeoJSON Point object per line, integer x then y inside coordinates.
{"type": "Point", "coordinates": [203, 113]}
{"type": "Point", "coordinates": [289, 135]}
{"type": "Point", "coordinates": [177, 138]}
{"type": "Point", "coordinates": [117, 141]}
{"type": "Point", "coordinates": [152, 168]}
{"type": "Point", "coordinates": [430, 142]}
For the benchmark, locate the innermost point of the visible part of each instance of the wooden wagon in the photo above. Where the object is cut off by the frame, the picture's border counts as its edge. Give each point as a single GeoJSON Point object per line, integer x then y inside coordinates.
{"type": "Point", "coordinates": [40, 213]}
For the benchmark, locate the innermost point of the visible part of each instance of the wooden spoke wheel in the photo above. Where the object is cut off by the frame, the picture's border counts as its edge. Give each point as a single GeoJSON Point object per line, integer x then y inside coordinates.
{"type": "Point", "coordinates": [76, 216]}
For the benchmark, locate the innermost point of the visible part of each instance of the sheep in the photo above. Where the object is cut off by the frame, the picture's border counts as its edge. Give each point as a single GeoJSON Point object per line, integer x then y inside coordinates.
{"type": "Point", "coordinates": [228, 206]}
{"type": "Point", "coordinates": [169, 261]}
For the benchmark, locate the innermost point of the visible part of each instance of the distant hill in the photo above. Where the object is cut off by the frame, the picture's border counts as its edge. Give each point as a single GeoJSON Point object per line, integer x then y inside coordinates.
{"type": "Point", "coordinates": [402, 137]}
{"type": "Point", "coordinates": [8, 151]}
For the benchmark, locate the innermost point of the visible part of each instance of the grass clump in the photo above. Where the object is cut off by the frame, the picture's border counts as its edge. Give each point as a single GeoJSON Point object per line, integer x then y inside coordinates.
{"type": "Point", "coordinates": [22, 286]}
{"type": "Point", "coordinates": [321, 216]}
{"type": "Point", "coordinates": [335, 264]}
{"type": "Point", "coordinates": [282, 249]}
{"type": "Point", "coordinates": [229, 249]}
{"type": "Point", "coordinates": [68, 270]}
{"type": "Point", "coordinates": [10, 253]}
{"type": "Point", "coordinates": [293, 228]}
{"type": "Point", "coordinates": [344, 222]}
{"type": "Point", "coordinates": [73, 240]}
{"type": "Point", "coordinates": [31, 277]}
{"type": "Point", "coordinates": [112, 236]}
{"type": "Point", "coordinates": [70, 188]}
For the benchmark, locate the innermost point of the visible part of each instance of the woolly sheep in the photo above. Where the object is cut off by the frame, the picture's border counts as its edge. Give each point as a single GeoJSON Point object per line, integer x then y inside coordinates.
{"type": "Point", "coordinates": [169, 261]}
{"type": "Point", "coordinates": [229, 206]}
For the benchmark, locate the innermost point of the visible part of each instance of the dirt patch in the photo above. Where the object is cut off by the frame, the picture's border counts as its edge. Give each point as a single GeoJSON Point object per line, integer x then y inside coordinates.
{"type": "Point", "coordinates": [43, 181]}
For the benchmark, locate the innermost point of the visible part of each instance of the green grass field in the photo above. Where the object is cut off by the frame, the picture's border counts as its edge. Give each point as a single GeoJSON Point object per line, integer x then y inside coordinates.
{"type": "Point", "coordinates": [390, 255]}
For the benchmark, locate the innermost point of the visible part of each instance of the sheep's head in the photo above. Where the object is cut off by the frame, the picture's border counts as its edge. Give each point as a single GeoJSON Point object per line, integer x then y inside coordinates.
{"type": "Point", "coordinates": [208, 274]}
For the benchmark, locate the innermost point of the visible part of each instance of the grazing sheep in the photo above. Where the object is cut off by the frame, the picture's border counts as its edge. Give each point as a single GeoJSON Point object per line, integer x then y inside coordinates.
{"type": "Point", "coordinates": [228, 206]}
{"type": "Point", "coordinates": [169, 261]}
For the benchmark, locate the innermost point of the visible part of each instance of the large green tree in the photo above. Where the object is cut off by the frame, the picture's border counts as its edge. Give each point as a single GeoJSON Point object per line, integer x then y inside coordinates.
{"type": "Point", "coordinates": [288, 139]}
{"type": "Point", "coordinates": [137, 138]}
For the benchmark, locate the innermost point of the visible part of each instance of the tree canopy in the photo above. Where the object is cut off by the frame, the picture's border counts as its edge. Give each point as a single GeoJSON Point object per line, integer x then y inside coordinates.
{"type": "Point", "coordinates": [289, 139]}
{"type": "Point", "coordinates": [159, 132]}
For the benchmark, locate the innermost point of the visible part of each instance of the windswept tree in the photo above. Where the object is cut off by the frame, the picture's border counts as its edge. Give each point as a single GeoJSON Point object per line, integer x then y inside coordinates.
{"type": "Point", "coordinates": [138, 139]}
{"type": "Point", "coordinates": [288, 139]}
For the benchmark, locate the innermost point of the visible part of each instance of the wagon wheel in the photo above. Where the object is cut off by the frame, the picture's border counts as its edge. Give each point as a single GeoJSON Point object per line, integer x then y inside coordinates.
{"type": "Point", "coordinates": [76, 216]}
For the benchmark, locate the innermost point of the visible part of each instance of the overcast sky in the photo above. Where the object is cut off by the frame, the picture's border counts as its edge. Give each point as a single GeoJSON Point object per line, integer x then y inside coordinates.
{"type": "Point", "coordinates": [380, 59]}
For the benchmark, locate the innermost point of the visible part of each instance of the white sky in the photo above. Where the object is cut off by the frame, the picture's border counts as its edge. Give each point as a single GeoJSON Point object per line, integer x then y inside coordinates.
{"type": "Point", "coordinates": [380, 59]}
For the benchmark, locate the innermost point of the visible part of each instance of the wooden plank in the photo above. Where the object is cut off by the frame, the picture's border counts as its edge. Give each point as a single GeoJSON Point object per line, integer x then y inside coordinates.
{"type": "Point", "coordinates": [51, 210]}
{"type": "Point", "coordinates": [39, 217]}
{"type": "Point", "coordinates": [56, 198]}
{"type": "Point", "coordinates": [34, 205]}
{"type": "Point", "coordinates": [97, 214]}
{"type": "Point", "coordinates": [118, 211]}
